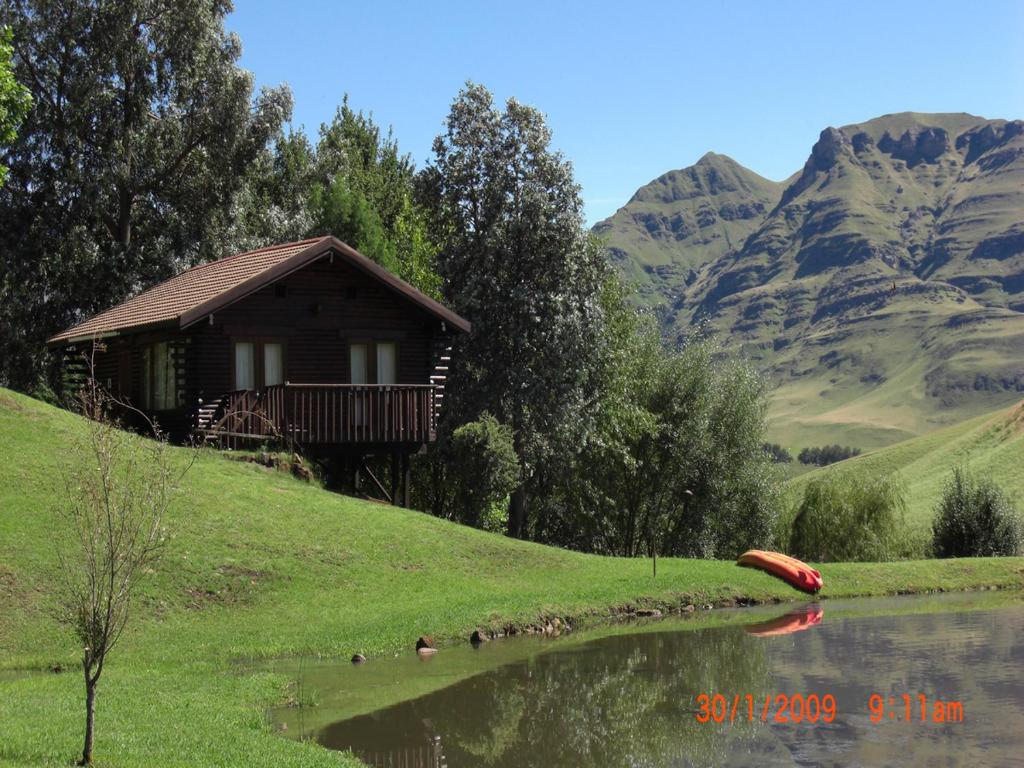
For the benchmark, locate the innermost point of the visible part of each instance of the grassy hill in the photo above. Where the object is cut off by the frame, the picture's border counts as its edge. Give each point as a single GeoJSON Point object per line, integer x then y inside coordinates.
{"type": "Point", "coordinates": [882, 290]}
{"type": "Point", "coordinates": [260, 565]}
{"type": "Point", "coordinates": [992, 445]}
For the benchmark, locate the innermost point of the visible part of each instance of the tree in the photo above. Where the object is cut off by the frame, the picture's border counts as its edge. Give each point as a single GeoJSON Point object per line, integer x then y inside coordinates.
{"type": "Point", "coordinates": [975, 518]}
{"type": "Point", "coordinates": [14, 98]}
{"type": "Point", "coordinates": [481, 469]}
{"type": "Point", "coordinates": [516, 260]}
{"type": "Point", "coordinates": [364, 194]}
{"type": "Point", "coordinates": [675, 462]}
{"type": "Point", "coordinates": [273, 204]}
{"type": "Point", "coordinates": [354, 184]}
{"type": "Point", "coordinates": [117, 495]}
{"type": "Point", "coordinates": [851, 516]}
{"type": "Point", "coordinates": [827, 454]}
{"type": "Point", "coordinates": [778, 453]}
{"type": "Point", "coordinates": [141, 129]}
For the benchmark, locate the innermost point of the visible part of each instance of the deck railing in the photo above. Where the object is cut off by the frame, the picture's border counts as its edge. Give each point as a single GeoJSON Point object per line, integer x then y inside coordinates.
{"type": "Point", "coordinates": [327, 414]}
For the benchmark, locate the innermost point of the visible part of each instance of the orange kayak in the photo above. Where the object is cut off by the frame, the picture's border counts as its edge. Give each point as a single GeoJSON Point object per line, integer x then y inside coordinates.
{"type": "Point", "coordinates": [792, 571]}
{"type": "Point", "coordinates": [794, 621]}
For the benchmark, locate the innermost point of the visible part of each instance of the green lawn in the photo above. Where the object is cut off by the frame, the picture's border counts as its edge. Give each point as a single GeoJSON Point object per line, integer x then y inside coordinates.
{"type": "Point", "coordinates": [991, 445]}
{"type": "Point", "coordinates": [261, 565]}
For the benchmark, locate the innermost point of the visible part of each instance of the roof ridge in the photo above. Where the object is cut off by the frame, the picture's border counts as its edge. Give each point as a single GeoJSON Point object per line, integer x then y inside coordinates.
{"type": "Point", "coordinates": [278, 247]}
{"type": "Point", "coordinates": [230, 256]}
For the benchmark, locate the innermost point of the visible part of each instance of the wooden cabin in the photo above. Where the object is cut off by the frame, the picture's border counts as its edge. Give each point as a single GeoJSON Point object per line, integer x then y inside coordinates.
{"type": "Point", "coordinates": [309, 344]}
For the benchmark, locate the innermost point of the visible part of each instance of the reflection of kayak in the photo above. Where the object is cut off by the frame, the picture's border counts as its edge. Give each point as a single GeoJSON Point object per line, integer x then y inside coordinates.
{"type": "Point", "coordinates": [792, 571]}
{"type": "Point", "coordinates": [794, 621]}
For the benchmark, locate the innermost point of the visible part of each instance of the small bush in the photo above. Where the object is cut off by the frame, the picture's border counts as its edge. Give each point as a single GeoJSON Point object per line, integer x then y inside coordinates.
{"type": "Point", "coordinates": [482, 470]}
{"type": "Point", "coordinates": [827, 454]}
{"type": "Point", "coordinates": [975, 519]}
{"type": "Point", "coordinates": [850, 517]}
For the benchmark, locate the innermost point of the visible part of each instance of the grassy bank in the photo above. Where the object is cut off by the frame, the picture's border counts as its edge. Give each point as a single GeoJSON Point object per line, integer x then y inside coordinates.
{"type": "Point", "coordinates": [991, 445]}
{"type": "Point", "coordinates": [261, 565]}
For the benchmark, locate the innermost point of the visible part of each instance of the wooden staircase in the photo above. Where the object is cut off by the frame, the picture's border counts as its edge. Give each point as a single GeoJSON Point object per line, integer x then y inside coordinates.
{"type": "Point", "coordinates": [207, 415]}
{"type": "Point", "coordinates": [442, 358]}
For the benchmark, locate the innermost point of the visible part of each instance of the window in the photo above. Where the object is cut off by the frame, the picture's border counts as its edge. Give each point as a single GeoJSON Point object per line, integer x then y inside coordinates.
{"type": "Point", "coordinates": [387, 362]}
{"type": "Point", "coordinates": [159, 378]}
{"type": "Point", "coordinates": [259, 364]}
{"type": "Point", "coordinates": [245, 368]}
{"type": "Point", "coordinates": [373, 362]}
{"type": "Point", "coordinates": [273, 364]}
{"type": "Point", "coordinates": [358, 355]}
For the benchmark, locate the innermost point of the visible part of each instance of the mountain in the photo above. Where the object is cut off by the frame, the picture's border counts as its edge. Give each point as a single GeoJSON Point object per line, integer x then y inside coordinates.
{"type": "Point", "coordinates": [684, 220]}
{"type": "Point", "coordinates": [881, 288]}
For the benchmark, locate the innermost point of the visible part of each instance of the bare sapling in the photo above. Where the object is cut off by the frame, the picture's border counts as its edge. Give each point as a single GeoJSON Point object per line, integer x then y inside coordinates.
{"type": "Point", "coordinates": [118, 487]}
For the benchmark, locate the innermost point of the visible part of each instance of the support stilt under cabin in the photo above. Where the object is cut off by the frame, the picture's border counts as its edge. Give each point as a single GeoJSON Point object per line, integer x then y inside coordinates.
{"type": "Point", "coordinates": [308, 346]}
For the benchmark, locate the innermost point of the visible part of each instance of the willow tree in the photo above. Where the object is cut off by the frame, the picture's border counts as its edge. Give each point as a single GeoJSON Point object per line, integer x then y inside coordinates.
{"type": "Point", "coordinates": [517, 261]}
{"type": "Point", "coordinates": [141, 128]}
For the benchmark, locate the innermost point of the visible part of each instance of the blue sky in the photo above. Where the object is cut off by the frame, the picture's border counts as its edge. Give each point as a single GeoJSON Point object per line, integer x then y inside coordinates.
{"type": "Point", "coordinates": [632, 90]}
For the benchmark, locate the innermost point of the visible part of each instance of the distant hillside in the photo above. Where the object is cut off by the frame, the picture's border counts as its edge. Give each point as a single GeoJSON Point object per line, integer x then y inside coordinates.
{"type": "Point", "coordinates": [881, 288]}
{"type": "Point", "coordinates": [992, 445]}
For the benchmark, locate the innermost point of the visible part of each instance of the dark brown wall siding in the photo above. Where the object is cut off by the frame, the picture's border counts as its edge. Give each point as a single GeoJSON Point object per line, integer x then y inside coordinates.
{"type": "Point", "coordinates": [316, 320]}
{"type": "Point", "coordinates": [209, 373]}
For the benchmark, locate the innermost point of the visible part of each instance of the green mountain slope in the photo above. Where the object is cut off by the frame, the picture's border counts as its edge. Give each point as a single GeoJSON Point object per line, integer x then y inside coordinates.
{"type": "Point", "coordinates": [883, 292]}
{"type": "Point", "coordinates": [992, 445]}
{"type": "Point", "coordinates": [684, 220]}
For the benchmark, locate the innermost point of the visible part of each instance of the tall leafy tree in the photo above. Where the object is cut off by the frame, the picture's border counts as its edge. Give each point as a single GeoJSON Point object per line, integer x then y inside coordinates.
{"type": "Point", "coordinates": [354, 184]}
{"type": "Point", "coordinates": [273, 204]}
{"type": "Point", "coordinates": [141, 129]}
{"type": "Point", "coordinates": [675, 463]}
{"type": "Point", "coordinates": [364, 194]}
{"type": "Point", "coordinates": [14, 98]}
{"type": "Point", "coordinates": [517, 261]}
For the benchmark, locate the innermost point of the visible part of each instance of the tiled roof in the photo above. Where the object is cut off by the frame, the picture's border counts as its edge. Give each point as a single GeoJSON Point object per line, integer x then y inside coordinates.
{"type": "Point", "coordinates": [203, 285]}
{"type": "Point", "coordinates": [168, 300]}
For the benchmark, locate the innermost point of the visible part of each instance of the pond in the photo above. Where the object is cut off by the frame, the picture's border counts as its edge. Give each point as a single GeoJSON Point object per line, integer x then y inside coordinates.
{"type": "Point", "coordinates": [865, 682]}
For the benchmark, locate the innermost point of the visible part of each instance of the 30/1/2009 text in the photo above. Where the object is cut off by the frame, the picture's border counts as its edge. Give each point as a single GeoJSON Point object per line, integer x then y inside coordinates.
{"type": "Point", "coordinates": [781, 708]}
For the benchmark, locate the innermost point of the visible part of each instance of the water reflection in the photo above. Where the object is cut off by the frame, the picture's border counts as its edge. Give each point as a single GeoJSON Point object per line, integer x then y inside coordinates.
{"type": "Point", "coordinates": [583, 706]}
{"type": "Point", "coordinates": [796, 620]}
{"type": "Point", "coordinates": [629, 700]}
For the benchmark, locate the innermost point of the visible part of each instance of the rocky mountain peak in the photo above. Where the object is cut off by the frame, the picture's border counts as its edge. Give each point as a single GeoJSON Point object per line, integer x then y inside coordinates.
{"type": "Point", "coordinates": [830, 145]}
{"type": "Point", "coordinates": [984, 137]}
{"type": "Point", "coordinates": [924, 144]}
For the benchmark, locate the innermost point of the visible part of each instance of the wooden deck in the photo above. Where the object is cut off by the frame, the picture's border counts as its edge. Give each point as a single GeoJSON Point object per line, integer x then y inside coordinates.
{"type": "Point", "coordinates": [318, 415]}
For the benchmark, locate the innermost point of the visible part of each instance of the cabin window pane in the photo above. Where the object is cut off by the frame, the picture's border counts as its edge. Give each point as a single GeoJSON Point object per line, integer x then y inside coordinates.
{"type": "Point", "coordinates": [273, 365]}
{"type": "Point", "coordinates": [245, 369]}
{"type": "Point", "coordinates": [159, 375]}
{"type": "Point", "coordinates": [170, 380]}
{"type": "Point", "coordinates": [357, 357]}
{"type": "Point", "coordinates": [387, 362]}
{"type": "Point", "coordinates": [159, 380]}
{"type": "Point", "coordinates": [147, 378]}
